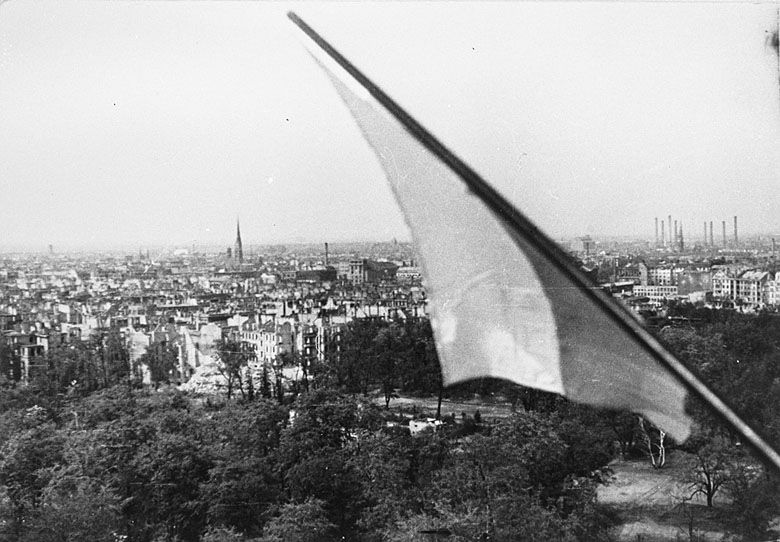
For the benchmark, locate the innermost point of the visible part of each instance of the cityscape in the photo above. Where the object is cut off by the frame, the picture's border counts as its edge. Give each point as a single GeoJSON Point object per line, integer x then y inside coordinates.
{"type": "Point", "coordinates": [278, 322]}
{"type": "Point", "coordinates": [276, 300]}
{"type": "Point", "coordinates": [258, 279]}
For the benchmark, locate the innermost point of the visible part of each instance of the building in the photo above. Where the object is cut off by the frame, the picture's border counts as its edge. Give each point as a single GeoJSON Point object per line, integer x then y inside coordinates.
{"type": "Point", "coordinates": [662, 276]}
{"type": "Point", "coordinates": [408, 274]}
{"type": "Point", "coordinates": [751, 287]}
{"type": "Point", "coordinates": [629, 273]}
{"type": "Point", "coordinates": [656, 293]}
{"type": "Point", "coordinates": [238, 248]}
{"type": "Point", "coordinates": [773, 293]}
{"type": "Point", "coordinates": [368, 271]}
{"type": "Point", "coordinates": [694, 281]}
{"type": "Point", "coordinates": [584, 246]}
{"type": "Point", "coordinates": [319, 274]}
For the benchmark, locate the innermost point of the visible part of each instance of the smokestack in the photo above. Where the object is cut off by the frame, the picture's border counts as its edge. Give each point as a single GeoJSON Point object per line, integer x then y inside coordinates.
{"type": "Point", "coordinates": [773, 249]}
{"type": "Point", "coordinates": [682, 242]}
{"type": "Point", "coordinates": [663, 235]}
{"type": "Point", "coordinates": [676, 235]}
{"type": "Point", "coordinates": [712, 239]}
{"type": "Point", "coordinates": [670, 229]}
{"type": "Point", "coordinates": [656, 231]}
{"type": "Point", "coordinates": [724, 233]}
{"type": "Point", "coordinates": [326, 254]}
{"type": "Point", "coordinates": [736, 239]}
{"type": "Point", "coordinates": [705, 233]}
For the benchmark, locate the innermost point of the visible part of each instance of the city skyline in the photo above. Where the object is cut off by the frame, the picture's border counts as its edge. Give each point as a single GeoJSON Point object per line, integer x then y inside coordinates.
{"type": "Point", "coordinates": [125, 130]}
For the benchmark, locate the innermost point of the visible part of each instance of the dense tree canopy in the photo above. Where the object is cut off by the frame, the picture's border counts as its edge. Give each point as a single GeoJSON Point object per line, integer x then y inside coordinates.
{"type": "Point", "coordinates": [86, 452]}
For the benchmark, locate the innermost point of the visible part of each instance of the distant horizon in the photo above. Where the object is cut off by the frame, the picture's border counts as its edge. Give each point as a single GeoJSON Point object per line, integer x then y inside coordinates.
{"type": "Point", "coordinates": [217, 248]}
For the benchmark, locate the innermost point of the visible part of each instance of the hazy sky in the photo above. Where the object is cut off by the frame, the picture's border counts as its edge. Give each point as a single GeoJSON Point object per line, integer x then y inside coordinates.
{"type": "Point", "coordinates": [158, 123]}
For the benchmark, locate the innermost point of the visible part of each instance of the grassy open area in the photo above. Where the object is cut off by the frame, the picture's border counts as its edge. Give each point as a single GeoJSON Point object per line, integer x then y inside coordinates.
{"type": "Point", "coordinates": [653, 505]}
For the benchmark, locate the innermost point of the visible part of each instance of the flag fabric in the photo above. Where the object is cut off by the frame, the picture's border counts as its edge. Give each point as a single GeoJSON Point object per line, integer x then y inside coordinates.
{"type": "Point", "coordinates": [499, 308]}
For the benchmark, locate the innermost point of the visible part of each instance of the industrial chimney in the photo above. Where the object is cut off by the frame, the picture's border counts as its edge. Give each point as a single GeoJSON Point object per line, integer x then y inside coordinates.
{"type": "Point", "coordinates": [656, 231]}
{"type": "Point", "coordinates": [663, 235]}
{"type": "Point", "coordinates": [705, 233]}
{"type": "Point", "coordinates": [736, 239]}
{"type": "Point", "coordinates": [724, 233]}
{"type": "Point", "coordinates": [326, 254]}
{"type": "Point", "coordinates": [670, 229]}
{"type": "Point", "coordinates": [712, 239]}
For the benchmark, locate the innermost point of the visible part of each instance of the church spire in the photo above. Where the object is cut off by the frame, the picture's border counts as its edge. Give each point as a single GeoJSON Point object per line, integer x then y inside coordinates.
{"type": "Point", "coordinates": [238, 249]}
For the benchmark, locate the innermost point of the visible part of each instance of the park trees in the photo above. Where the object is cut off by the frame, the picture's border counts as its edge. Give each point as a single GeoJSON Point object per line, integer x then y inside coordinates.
{"type": "Point", "coordinates": [305, 521]}
{"type": "Point", "coordinates": [387, 349]}
{"type": "Point", "coordinates": [243, 483]}
{"type": "Point", "coordinates": [115, 358]}
{"type": "Point", "coordinates": [382, 463]}
{"type": "Point", "coordinates": [233, 361]}
{"type": "Point", "coordinates": [10, 368]}
{"type": "Point", "coordinates": [161, 359]}
{"type": "Point", "coordinates": [82, 367]}
{"type": "Point", "coordinates": [314, 453]}
{"type": "Point", "coordinates": [27, 459]}
{"type": "Point", "coordinates": [75, 508]}
{"type": "Point", "coordinates": [353, 367]}
{"type": "Point", "coordinates": [512, 482]}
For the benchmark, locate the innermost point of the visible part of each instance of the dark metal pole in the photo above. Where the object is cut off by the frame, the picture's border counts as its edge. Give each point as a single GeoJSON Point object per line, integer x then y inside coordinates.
{"type": "Point", "coordinates": [517, 223]}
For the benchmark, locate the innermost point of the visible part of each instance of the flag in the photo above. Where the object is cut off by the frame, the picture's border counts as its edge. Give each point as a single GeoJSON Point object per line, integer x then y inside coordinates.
{"type": "Point", "coordinates": [499, 308]}
{"type": "Point", "coordinates": [505, 301]}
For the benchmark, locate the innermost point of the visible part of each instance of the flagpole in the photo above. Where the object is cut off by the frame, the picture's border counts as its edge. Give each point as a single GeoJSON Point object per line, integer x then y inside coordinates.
{"type": "Point", "coordinates": [519, 225]}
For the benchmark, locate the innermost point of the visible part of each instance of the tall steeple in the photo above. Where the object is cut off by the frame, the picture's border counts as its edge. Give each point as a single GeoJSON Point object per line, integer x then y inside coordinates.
{"type": "Point", "coordinates": [238, 249]}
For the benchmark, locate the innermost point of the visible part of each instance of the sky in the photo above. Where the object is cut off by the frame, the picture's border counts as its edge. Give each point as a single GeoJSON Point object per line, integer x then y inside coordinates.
{"type": "Point", "coordinates": [160, 123]}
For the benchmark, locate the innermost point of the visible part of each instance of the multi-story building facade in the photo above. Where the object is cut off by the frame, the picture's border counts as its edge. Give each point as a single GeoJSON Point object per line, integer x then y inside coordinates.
{"type": "Point", "coordinates": [656, 293]}
{"type": "Point", "coordinates": [750, 287]}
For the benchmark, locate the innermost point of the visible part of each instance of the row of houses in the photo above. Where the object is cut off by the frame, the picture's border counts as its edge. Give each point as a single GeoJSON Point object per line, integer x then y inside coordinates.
{"type": "Point", "coordinates": [744, 287]}
{"type": "Point", "coordinates": [749, 287]}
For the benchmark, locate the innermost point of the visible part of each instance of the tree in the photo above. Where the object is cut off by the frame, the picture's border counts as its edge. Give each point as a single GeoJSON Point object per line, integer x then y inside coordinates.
{"type": "Point", "coordinates": [419, 370]}
{"type": "Point", "coordinates": [755, 496]}
{"type": "Point", "coordinates": [353, 370]}
{"type": "Point", "coordinates": [75, 509]}
{"type": "Point", "coordinates": [243, 483]}
{"type": "Point", "coordinates": [386, 349]}
{"type": "Point", "coordinates": [26, 462]}
{"type": "Point", "coordinates": [382, 466]}
{"type": "Point", "coordinates": [300, 522]}
{"type": "Point", "coordinates": [10, 367]}
{"type": "Point", "coordinates": [170, 470]}
{"type": "Point", "coordinates": [625, 429]}
{"type": "Point", "coordinates": [161, 358]}
{"type": "Point", "coordinates": [314, 453]}
{"type": "Point", "coordinates": [234, 358]}
{"type": "Point", "coordinates": [655, 442]}
{"type": "Point", "coordinates": [65, 368]}
{"type": "Point", "coordinates": [115, 357]}
{"type": "Point", "coordinates": [221, 534]}
{"type": "Point", "coordinates": [514, 483]}
{"type": "Point", "coordinates": [265, 383]}
{"type": "Point", "coordinates": [589, 439]}
{"type": "Point", "coordinates": [714, 457]}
